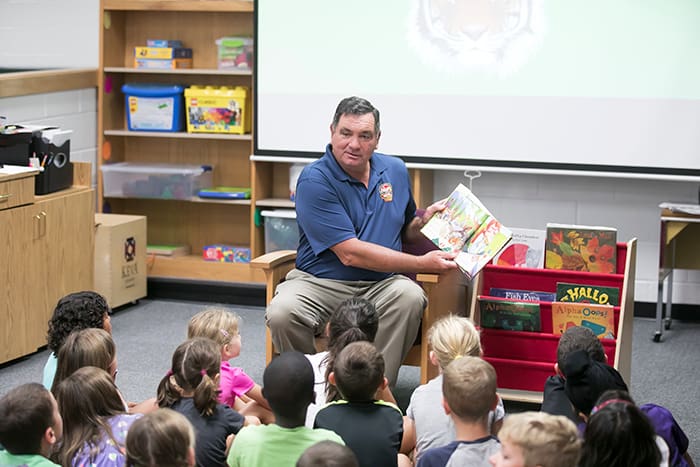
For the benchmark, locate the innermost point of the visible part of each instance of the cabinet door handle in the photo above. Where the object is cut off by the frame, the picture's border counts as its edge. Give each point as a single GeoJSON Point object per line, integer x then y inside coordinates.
{"type": "Point", "coordinates": [5, 197]}
{"type": "Point", "coordinates": [43, 223]}
{"type": "Point", "coordinates": [37, 226]}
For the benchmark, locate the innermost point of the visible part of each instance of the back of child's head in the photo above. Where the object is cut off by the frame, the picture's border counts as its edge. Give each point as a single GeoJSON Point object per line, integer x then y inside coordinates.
{"type": "Point", "coordinates": [194, 368]}
{"type": "Point", "coordinates": [355, 320]}
{"type": "Point", "coordinates": [288, 385]}
{"type": "Point", "coordinates": [327, 454]}
{"type": "Point", "coordinates": [453, 337]}
{"type": "Point", "coordinates": [579, 338]}
{"type": "Point", "coordinates": [86, 398]}
{"type": "Point", "coordinates": [217, 324]}
{"type": "Point", "coordinates": [160, 438]}
{"type": "Point", "coordinates": [545, 440]}
{"type": "Point", "coordinates": [469, 388]}
{"type": "Point", "coordinates": [75, 311]}
{"type": "Point", "coordinates": [587, 379]}
{"type": "Point", "coordinates": [618, 434]}
{"type": "Point", "coordinates": [25, 414]}
{"type": "Point", "coordinates": [85, 347]}
{"type": "Point", "coordinates": [359, 371]}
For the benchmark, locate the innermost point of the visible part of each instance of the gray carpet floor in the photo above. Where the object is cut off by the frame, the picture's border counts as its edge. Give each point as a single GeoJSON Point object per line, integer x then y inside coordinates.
{"type": "Point", "coordinates": [146, 334]}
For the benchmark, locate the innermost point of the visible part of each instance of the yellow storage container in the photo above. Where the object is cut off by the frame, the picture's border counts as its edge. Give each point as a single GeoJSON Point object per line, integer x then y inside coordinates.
{"type": "Point", "coordinates": [217, 109]}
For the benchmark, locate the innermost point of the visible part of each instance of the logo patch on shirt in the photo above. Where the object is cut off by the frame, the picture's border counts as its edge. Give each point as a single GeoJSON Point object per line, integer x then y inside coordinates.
{"type": "Point", "coordinates": [386, 193]}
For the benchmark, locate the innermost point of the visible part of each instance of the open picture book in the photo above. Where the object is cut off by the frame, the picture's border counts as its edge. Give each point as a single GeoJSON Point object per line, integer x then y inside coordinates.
{"type": "Point", "coordinates": [466, 227]}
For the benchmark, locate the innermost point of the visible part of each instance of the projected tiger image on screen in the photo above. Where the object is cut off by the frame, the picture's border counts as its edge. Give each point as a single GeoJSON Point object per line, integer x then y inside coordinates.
{"type": "Point", "coordinates": [488, 35]}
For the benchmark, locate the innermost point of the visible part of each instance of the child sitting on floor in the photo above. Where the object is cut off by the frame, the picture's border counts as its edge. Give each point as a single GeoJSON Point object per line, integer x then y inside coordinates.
{"type": "Point", "coordinates": [537, 439]}
{"type": "Point", "coordinates": [95, 422]}
{"type": "Point", "coordinates": [327, 454]}
{"type": "Point", "coordinates": [372, 429]}
{"type": "Point", "coordinates": [30, 426]}
{"type": "Point", "coordinates": [469, 394]}
{"type": "Point", "coordinates": [450, 338]}
{"type": "Point", "coordinates": [288, 385]}
{"type": "Point", "coordinates": [238, 390]}
{"type": "Point", "coordinates": [354, 320]}
{"type": "Point", "coordinates": [75, 311]}
{"type": "Point", "coordinates": [190, 387]}
{"type": "Point", "coordinates": [163, 438]}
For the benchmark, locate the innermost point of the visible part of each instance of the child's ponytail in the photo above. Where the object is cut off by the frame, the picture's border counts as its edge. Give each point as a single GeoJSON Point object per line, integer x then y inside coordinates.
{"type": "Point", "coordinates": [195, 365]}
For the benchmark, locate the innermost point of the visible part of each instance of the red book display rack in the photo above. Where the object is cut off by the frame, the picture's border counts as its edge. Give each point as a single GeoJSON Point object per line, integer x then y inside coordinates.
{"type": "Point", "coordinates": [524, 360]}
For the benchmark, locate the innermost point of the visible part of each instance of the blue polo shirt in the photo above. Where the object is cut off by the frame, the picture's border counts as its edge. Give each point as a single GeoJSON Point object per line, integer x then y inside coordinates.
{"type": "Point", "coordinates": [333, 207]}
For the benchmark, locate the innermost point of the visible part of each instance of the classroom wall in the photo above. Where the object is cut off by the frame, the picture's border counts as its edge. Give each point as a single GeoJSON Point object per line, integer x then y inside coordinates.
{"type": "Point", "coordinates": [49, 33]}
{"type": "Point", "coordinates": [530, 201]}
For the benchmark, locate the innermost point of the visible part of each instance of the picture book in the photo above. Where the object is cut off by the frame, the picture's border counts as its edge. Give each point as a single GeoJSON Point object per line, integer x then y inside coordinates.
{"type": "Point", "coordinates": [168, 250]}
{"type": "Point", "coordinates": [598, 318]}
{"type": "Point", "coordinates": [509, 314]}
{"type": "Point", "coordinates": [522, 295]}
{"type": "Point", "coordinates": [225, 192]}
{"type": "Point", "coordinates": [581, 248]}
{"type": "Point", "coordinates": [525, 250]}
{"type": "Point", "coordinates": [467, 228]}
{"type": "Point", "coordinates": [584, 293]}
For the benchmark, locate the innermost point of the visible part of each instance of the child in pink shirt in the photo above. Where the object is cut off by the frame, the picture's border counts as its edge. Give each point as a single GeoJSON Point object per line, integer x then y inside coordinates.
{"type": "Point", "coordinates": [238, 390]}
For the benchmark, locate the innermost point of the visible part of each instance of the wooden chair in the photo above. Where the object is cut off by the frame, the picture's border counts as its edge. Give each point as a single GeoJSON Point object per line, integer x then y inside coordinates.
{"type": "Point", "coordinates": [446, 294]}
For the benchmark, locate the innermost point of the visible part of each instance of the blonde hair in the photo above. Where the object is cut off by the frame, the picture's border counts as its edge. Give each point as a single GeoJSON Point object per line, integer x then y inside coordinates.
{"type": "Point", "coordinates": [217, 324]}
{"type": "Point", "coordinates": [544, 439]}
{"type": "Point", "coordinates": [160, 438]}
{"type": "Point", "coordinates": [452, 337]}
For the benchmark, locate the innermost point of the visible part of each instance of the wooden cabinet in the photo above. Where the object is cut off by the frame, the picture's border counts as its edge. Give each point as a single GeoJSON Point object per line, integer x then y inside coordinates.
{"type": "Point", "coordinates": [195, 222]}
{"type": "Point", "coordinates": [47, 252]}
{"type": "Point", "coordinates": [523, 360]}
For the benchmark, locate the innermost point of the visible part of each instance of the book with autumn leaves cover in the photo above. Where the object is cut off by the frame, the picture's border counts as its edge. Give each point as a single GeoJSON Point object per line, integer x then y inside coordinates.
{"type": "Point", "coordinates": [581, 248]}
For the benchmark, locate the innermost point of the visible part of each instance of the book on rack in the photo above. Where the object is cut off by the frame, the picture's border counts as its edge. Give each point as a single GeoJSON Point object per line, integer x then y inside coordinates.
{"type": "Point", "coordinates": [581, 248]}
{"type": "Point", "coordinates": [510, 315]}
{"type": "Point", "coordinates": [522, 295]}
{"type": "Point", "coordinates": [584, 293]}
{"type": "Point", "coordinates": [467, 228]}
{"type": "Point", "coordinates": [598, 318]}
{"type": "Point", "coordinates": [525, 250]}
{"type": "Point", "coordinates": [170, 251]}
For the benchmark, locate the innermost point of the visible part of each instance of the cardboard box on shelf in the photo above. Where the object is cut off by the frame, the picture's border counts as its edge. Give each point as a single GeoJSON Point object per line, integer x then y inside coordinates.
{"type": "Point", "coordinates": [120, 258]}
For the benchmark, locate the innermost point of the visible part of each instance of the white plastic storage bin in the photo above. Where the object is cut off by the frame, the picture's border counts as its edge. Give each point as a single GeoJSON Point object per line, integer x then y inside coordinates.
{"type": "Point", "coordinates": [281, 230]}
{"type": "Point", "coordinates": [160, 181]}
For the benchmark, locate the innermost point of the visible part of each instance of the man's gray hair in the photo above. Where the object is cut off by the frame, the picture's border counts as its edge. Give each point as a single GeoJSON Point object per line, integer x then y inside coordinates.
{"type": "Point", "coordinates": [356, 106]}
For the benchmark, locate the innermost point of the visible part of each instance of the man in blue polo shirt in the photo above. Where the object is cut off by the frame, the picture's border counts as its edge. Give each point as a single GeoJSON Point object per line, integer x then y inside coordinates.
{"type": "Point", "coordinates": [354, 206]}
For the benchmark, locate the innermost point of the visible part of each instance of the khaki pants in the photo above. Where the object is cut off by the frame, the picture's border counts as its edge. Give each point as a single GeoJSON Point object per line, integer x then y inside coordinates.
{"type": "Point", "coordinates": [303, 303]}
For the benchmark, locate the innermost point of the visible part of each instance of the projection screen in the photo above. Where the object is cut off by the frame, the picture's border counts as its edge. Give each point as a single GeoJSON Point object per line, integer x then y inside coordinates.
{"type": "Point", "coordinates": [557, 85]}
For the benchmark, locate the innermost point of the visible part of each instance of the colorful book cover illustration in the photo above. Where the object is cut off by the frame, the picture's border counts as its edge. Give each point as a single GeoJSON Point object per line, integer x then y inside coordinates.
{"type": "Point", "coordinates": [598, 318]}
{"type": "Point", "coordinates": [581, 248]}
{"type": "Point", "coordinates": [525, 250]}
{"type": "Point", "coordinates": [509, 315]}
{"type": "Point", "coordinates": [466, 227]}
{"type": "Point", "coordinates": [522, 295]}
{"type": "Point", "coordinates": [584, 293]}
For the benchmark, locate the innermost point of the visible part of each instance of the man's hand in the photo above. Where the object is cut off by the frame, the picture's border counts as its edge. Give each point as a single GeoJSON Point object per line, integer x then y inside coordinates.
{"type": "Point", "coordinates": [437, 261]}
{"type": "Point", "coordinates": [432, 209]}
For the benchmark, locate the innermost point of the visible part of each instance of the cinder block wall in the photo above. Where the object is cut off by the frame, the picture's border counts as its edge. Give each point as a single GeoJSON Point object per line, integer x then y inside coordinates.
{"type": "Point", "coordinates": [70, 110]}
{"type": "Point", "coordinates": [530, 201]}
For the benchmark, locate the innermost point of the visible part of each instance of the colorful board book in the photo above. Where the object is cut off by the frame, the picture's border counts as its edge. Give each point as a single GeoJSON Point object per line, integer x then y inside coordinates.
{"type": "Point", "coordinates": [598, 318]}
{"type": "Point", "coordinates": [522, 295]}
{"type": "Point", "coordinates": [467, 228]}
{"type": "Point", "coordinates": [581, 248]}
{"type": "Point", "coordinates": [509, 315]}
{"type": "Point", "coordinates": [584, 293]}
{"type": "Point", "coordinates": [525, 250]}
